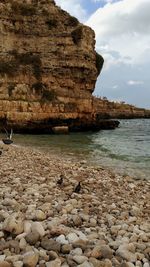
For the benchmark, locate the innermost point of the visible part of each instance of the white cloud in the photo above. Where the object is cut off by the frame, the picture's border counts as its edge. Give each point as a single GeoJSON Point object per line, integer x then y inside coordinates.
{"type": "Point", "coordinates": [123, 27]}
{"type": "Point", "coordinates": [131, 82]}
{"type": "Point", "coordinates": [74, 7]}
{"type": "Point", "coordinates": [115, 87]}
{"type": "Point", "coordinates": [105, 1]}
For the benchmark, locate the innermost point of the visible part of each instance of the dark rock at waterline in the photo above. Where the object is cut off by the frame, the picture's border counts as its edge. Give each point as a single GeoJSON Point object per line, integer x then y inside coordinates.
{"type": "Point", "coordinates": [72, 125]}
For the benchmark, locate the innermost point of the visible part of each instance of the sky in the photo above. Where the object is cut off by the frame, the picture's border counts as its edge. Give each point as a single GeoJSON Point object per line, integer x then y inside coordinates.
{"type": "Point", "coordinates": [122, 29]}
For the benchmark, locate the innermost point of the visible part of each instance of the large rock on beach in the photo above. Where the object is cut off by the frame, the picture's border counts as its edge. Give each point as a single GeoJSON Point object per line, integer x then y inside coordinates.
{"type": "Point", "coordinates": [48, 68]}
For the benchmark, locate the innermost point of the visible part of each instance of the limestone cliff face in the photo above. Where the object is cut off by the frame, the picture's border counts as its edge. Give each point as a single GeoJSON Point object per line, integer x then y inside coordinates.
{"type": "Point", "coordinates": [104, 109]}
{"type": "Point", "coordinates": [48, 66]}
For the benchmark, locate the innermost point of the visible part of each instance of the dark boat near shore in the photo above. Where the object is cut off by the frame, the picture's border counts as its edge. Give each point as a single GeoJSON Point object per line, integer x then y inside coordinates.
{"type": "Point", "coordinates": [8, 140]}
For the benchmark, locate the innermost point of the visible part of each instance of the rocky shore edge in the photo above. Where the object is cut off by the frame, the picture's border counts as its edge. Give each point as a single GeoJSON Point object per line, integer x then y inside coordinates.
{"type": "Point", "coordinates": [43, 224]}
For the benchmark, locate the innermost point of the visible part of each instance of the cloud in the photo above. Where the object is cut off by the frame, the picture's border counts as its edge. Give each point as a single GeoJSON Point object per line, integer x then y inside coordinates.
{"type": "Point", "coordinates": [74, 7]}
{"type": "Point", "coordinates": [123, 38]}
{"type": "Point", "coordinates": [123, 27]}
{"type": "Point", "coordinates": [131, 82]}
{"type": "Point", "coordinates": [105, 1]}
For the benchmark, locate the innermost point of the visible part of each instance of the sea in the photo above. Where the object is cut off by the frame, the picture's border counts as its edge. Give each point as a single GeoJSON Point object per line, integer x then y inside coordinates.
{"type": "Point", "coordinates": [124, 150]}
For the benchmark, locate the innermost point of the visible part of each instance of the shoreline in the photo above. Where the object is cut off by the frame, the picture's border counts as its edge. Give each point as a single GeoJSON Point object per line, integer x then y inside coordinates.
{"type": "Point", "coordinates": [43, 224]}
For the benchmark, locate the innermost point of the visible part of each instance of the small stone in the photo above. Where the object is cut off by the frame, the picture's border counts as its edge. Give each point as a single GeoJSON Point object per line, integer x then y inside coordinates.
{"type": "Point", "coordinates": [125, 254]}
{"type": "Point", "coordinates": [30, 259]}
{"type": "Point", "coordinates": [95, 262]}
{"type": "Point", "coordinates": [65, 249]}
{"type": "Point", "coordinates": [68, 208]}
{"type": "Point", "coordinates": [50, 244]}
{"type": "Point", "coordinates": [135, 211]}
{"type": "Point", "coordinates": [3, 245]}
{"type": "Point", "coordinates": [5, 264]}
{"type": "Point", "coordinates": [80, 244]}
{"type": "Point", "coordinates": [115, 228]}
{"type": "Point", "coordinates": [40, 215]}
{"type": "Point", "coordinates": [58, 230]}
{"type": "Point", "coordinates": [64, 265]}
{"type": "Point", "coordinates": [13, 225]}
{"type": "Point", "coordinates": [43, 255]}
{"type": "Point", "coordinates": [45, 207]}
{"type": "Point", "coordinates": [62, 240]}
{"type": "Point", "coordinates": [146, 264]}
{"type": "Point", "coordinates": [79, 259]}
{"type": "Point", "coordinates": [22, 244]}
{"type": "Point", "coordinates": [42, 263]}
{"type": "Point", "coordinates": [72, 237]}
{"type": "Point", "coordinates": [17, 264]}
{"type": "Point", "coordinates": [106, 252]}
{"type": "Point", "coordinates": [86, 264]}
{"type": "Point", "coordinates": [107, 263]}
{"type": "Point", "coordinates": [55, 263]}
{"type": "Point", "coordinates": [2, 257]}
{"type": "Point", "coordinates": [38, 227]}
{"type": "Point", "coordinates": [138, 263]}
{"type": "Point", "coordinates": [77, 220]}
{"type": "Point", "coordinates": [92, 222]}
{"type": "Point", "coordinates": [13, 258]}
{"type": "Point", "coordinates": [14, 246]}
{"type": "Point", "coordinates": [1, 234]}
{"type": "Point", "coordinates": [32, 238]}
{"type": "Point", "coordinates": [52, 255]}
{"type": "Point", "coordinates": [27, 227]}
{"type": "Point", "coordinates": [96, 252]}
{"type": "Point", "coordinates": [124, 264]}
{"type": "Point", "coordinates": [76, 251]}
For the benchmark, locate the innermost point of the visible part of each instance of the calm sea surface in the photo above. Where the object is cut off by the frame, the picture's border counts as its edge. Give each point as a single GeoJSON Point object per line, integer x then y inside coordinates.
{"type": "Point", "coordinates": [125, 149]}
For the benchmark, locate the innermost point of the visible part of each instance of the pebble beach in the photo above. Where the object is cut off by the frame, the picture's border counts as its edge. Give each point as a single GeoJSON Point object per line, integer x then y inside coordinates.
{"type": "Point", "coordinates": [45, 224]}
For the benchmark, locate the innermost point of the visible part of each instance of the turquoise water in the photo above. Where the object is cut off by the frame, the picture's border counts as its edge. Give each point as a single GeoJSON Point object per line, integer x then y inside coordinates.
{"type": "Point", "coordinates": [125, 149]}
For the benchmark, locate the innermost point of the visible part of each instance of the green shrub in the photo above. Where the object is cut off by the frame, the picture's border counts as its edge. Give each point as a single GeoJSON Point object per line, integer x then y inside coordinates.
{"type": "Point", "coordinates": [28, 59]}
{"type": "Point", "coordinates": [23, 9]}
{"type": "Point", "coordinates": [70, 107]}
{"type": "Point", "coordinates": [99, 62]}
{"type": "Point", "coordinates": [38, 87]}
{"type": "Point", "coordinates": [48, 95]}
{"type": "Point", "coordinates": [72, 21]}
{"type": "Point", "coordinates": [52, 23]}
{"type": "Point", "coordinates": [11, 87]}
{"type": "Point", "coordinates": [8, 67]}
{"type": "Point", "coordinates": [77, 35]}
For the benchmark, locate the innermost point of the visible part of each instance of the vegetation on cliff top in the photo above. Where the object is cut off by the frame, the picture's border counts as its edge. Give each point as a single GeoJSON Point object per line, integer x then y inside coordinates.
{"type": "Point", "coordinates": [99, 62]}
{"type": "Point", "coordinates": [23, 9]}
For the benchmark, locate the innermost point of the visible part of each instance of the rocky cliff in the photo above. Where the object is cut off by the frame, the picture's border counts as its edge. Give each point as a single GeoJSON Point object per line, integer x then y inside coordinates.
{"type": "Point", "coordinates": [48, 67]}
{"type": "Point", "coordinates": [104, 109]}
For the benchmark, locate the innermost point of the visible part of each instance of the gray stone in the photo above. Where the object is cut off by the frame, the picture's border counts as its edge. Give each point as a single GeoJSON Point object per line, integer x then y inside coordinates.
{"type": "Point", "coordinates": [13, 225]}
{"type": "Point", "coordinates": [17, 264]}
{"type": "Point", "coordinates": [146, 264]}
{"type": "Point", "coordinates": [5, 264]}
{"type": "Point", "coordinates": [125, 254]}
{"type": "Point", "coordinates": [50, 244]}
{"type": "Point", "coordinates": [86, 264]}
{"type": "Point", "coordinates": [77, 220]}
{"type": "Point", "coordinates": [30, 259]}
{"type": "Point", "coordinates": [38, 227]}
{"type": "Point", "coordinates": [79, 259]}
{"type": "Point", "coordinates": [32, 238]}
{"type": "Point", "coordinates": [62, 240]}
{"type": "Point", "coordinates": [72, 237]}
{"type": "Point", "coordinates": [106, 252]}
{"type": "Point", "coordinates": [65, 249]}
{"type": "Point", "coordinates": [55, 263]}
